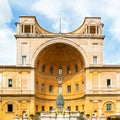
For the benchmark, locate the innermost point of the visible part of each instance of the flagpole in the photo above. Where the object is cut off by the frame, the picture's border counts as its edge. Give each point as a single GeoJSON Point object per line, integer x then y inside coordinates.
{"type": "Point", "coordinates": [60, 26]}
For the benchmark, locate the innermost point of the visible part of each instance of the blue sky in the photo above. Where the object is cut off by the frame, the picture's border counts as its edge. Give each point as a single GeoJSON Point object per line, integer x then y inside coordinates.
{"type": "Point", "coordinates": [48, 13]}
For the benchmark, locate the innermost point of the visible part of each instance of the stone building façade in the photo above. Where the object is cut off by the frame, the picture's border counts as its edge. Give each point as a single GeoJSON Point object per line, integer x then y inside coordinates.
{"type": "Point", "coordinates": [49, 64]}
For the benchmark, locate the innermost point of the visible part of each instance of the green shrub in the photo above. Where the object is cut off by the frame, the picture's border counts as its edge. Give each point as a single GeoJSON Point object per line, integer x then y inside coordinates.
{"type": "Point", "coordinates": [31, 115]}
{"type": "Point", "coordinates": [81, 112]}
{"type": "Point", "coordinates": [38, 113]}
{"type": "Point", "coordinates": [81, 118]}
{"type": "Point", "coordinates": [87, 115]}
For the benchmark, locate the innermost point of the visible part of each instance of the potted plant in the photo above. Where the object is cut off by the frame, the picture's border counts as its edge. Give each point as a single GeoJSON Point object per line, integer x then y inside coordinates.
{"type": "Point", "coordinates": [31, 116]}
{"type": "Point", "coordinates": [81, 116]}
{"type": "Point", "coordinates": [37, 114]}
{"type": "Point", "coordinates": [87, 115]}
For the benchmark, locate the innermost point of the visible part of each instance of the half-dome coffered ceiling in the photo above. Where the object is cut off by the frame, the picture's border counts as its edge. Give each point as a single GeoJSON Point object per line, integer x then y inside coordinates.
{"type": "Point", "coordinates": [59, 54]}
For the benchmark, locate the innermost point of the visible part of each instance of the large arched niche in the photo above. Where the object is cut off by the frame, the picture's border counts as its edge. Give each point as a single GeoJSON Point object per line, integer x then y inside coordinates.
{"type": "Point", "coordinates": [59, 55]}
{"type": "Point", "coordinates": [55, 54]}
{"type": "Point", "coordinates": [60, 41]}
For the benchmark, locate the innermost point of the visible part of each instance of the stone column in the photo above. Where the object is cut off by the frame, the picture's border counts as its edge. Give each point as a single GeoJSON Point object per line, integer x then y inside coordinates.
{"type": "Point", "coordinates": [1, 82]}
{"type": "Point", "coordinates": [88, 83]}
{"type": "Point", "coordinates": [118, 106]}
{"type": "Point", "coordinates": [100, 29]}
{"type": "Point", "coordinates": [88, 29]}
{"type": "Point", "coordinates": [86, 32]}
{"type": "Point", "coordinates": [99, 80]}
{"type": "Point", "coordinates": [31, 28]}
{"type": "Point", "coordinates": [96, 29]}
{"type": "Point", "coordinates": [118, 80]}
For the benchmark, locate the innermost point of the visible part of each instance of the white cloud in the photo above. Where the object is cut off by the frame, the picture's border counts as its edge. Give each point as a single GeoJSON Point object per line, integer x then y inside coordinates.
{"type": "Point", "coordinates": [112, 11]}
{"type": "Point", "coordinates": [66, 10]}
{"type": "Point", "coordinates": [7, 49]}
{"type": "Point", "coordinates": [51, 9]}
{"type": "Point", "coordinates": [5, 13]}
{"type": "Point", "coordinates": [22, 4]}
{"type": "Point", "coordinates": [115, 30]}
{"type": "Point", "coordinates": [61, 25]}
{"type": "Point", "coordinates": [72, 13]}
{"type": "Point", "coordinates": [7, 45]}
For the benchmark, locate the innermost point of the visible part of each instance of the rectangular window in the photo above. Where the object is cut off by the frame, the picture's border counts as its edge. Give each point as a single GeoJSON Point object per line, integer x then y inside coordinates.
{"type": "Point", "coordinates": [36, 107]}
{"type": "Point", "coordinates": [94, 60]}
{"type": "Point", "coordinates": [76, 68]}
{"type": "Point", "coordinates": [43, 108]}
{"type": "Point", "coordinates": [50, 108]}
{"type": "Point", "coordinates": [10, 108]}
{"type": "Point", "coordinates": [51, 70]}
{"type": "Point", "coordinates": [108, 107]}
{"type": "Point", "coordinates": [43, 68]}
{"type": "Point", "coordinates": [36, 86]}
{"type": "Point", "coordinates": [76, 107]}
{"type": "Point", "coordinates": [68, 70]}
{"type": "Point", "coordinates": [83, 107]}
{"type": "Point", "coordinates": [69, 108]}
{"type": "Point", "coordinates": [108, 82]}
{"type": "Point", "coordinates": [27, 28]}
{"type": "Point", "coordinates": [9, 82]}
{"type": "Point", "coordinates": [60, 71]}
{"type": "Point", "coordinates": [50, 88]}
{"type": "Point", "coordinates": [76, 87]}
{"type": "Point", "coordinates": [68, 88]}
{"type": "Point", "coordinates": [24, 58]}
{"type": "Point", "coordinates": [92, 29]}
{"type": "Point", "coordinates": [43, 87]}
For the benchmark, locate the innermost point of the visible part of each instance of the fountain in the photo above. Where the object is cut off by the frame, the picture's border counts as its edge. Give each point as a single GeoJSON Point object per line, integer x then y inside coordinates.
{"type": "Point", "coordinates": [60, 105]}
{"type": "Point", "coordinates": [57, 113]}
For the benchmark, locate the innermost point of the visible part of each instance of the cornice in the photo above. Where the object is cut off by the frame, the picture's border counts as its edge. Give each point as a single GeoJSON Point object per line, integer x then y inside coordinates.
{"type": "Point", "coordinates": [65, 35]}
{"type": "Point", "coordinates": [69, 99]}
{"type": "Point", "coordinates": [17, 95]}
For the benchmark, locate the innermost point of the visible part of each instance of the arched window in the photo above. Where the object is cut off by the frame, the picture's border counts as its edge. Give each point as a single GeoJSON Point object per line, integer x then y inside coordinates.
{"type": "Point", "coordinates": [68, 70]}
{"type": "Point", "coordinates": [51, 70]}
{"type": "Point", "coordinates": [43, 87]}
{"type": "Point", "coordinates": [43, 68]}
{"type": "Point", "coordinates": [76, 68]}
{"type": "Point", "coordinates": [60, 70]}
